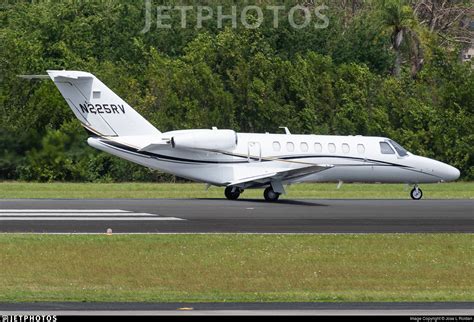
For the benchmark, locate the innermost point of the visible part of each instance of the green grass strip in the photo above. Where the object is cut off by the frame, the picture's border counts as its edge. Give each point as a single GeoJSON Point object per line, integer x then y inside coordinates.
{"type": "Point", "coordinates": [458, 190]}
{"type": "Point", "coordinates": [345, 267]}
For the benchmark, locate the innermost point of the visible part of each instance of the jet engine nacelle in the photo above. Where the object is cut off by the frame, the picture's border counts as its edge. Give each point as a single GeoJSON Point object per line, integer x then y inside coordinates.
{"type": "Point", "coordinates": [205, 140]}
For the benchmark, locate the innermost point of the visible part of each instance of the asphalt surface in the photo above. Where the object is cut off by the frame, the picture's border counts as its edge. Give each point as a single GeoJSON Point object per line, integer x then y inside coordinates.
{"type": "Point", "coordinates": [243, 216]}
{"type": "Point", "coordinates": [360, 308]}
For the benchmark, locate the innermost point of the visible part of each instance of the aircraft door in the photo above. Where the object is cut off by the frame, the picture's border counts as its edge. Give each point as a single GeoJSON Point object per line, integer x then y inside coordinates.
{"type": "Point", "coordinates": [254, 152]}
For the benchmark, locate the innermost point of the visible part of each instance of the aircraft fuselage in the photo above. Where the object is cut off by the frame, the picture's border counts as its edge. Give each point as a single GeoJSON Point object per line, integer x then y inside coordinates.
{"type": "Point", "coordinates": [354, 159]}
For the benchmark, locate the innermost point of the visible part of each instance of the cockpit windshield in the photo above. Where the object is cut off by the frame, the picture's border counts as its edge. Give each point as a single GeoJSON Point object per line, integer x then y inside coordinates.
{"type": "Point", "coordinates": [400, 150]}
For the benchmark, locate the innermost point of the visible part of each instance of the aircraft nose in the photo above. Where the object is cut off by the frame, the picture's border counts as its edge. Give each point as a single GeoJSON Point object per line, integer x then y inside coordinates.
{"type": "Point", "coordinates": [450, 173]}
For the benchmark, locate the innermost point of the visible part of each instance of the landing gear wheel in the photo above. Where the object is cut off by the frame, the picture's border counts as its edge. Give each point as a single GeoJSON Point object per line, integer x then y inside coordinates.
{"type": "Point", "coordinates": [232, 193]}
{"type": "Point", "coordinates": [416, 193]}
{"type": "Point", "coordinates": [271, 195]}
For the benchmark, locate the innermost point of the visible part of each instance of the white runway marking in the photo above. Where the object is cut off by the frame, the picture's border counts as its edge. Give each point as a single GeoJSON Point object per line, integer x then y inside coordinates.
{"type": "Point", "coordinates": [75, 214]}
{"type": "Point", "coordinates": [78, 215]}
{"type": "Point", "coordinates": [87, 218]}
{"type": "Point", "coordinates": [69, 214]}
{"type": "Point", "coordinates": [61, 210]}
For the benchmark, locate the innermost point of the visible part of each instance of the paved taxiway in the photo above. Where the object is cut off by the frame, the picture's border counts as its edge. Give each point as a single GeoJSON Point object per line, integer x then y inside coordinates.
{"type": "Point", "coordinates": [245, 216]}
{"type": "Point", "coordinates": [74, 308]}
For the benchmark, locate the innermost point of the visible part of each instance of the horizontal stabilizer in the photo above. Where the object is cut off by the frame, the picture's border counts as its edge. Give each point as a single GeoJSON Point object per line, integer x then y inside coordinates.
{"type": "Point", "coordinates": [34, 76]}
{"type": "Point", "coordinates": [64, 74]}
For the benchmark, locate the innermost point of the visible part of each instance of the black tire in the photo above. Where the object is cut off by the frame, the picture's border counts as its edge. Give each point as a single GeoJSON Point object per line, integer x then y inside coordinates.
{"type": "Point", "coordinates": [270, 195]}
{"type": "Point", "coordinates": [416, 196]}
{"type": "Point", "coordinates": [232, 195]}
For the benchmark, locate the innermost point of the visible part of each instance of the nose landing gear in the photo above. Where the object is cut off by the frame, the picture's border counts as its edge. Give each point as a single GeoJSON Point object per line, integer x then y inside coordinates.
{"type": "Point", "coordinates": [416, 193]}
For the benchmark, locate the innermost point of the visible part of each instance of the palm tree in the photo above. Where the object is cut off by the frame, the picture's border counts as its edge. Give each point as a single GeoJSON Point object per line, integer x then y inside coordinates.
{"type": "Point", "coordinates": [397, 18]}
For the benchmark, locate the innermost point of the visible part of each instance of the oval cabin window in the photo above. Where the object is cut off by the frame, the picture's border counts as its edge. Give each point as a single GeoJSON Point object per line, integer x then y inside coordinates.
{"type": "Point", "coordinates": [346, 148]}
{"type": "Point", "coordinates": [360, 149]}
{"type": "Point", "coordinates": [304, 147]}
{"type": "Point", "coordinates": [318, 147]}
{"type": "Point", "coordinates": [276, 146]}
{"type": "Point", "coordinates": [290, 146]}
{"type": "Point", "coordinates": [332, 147]}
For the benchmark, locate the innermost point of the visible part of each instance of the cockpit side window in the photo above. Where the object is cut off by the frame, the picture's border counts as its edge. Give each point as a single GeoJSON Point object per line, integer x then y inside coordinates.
{"type": "Point", "coordinates": [385, 148]}
{"type": "Point", "coordinates": [400, 150]}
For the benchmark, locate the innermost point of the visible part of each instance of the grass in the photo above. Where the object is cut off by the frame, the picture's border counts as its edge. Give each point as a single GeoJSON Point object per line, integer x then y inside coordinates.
{"type": "Point", "coordinates": [369, 267]}
{"type": "Point", "coordinates": [458, 190]}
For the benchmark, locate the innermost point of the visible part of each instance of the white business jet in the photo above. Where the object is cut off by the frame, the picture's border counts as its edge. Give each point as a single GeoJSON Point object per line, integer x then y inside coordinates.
{"type": "Point", "coordinates": [240, 161]}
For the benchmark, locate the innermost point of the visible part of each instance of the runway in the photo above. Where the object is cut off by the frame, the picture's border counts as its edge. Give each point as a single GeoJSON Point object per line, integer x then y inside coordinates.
{"type": "Point", "coordinates": [315, 308]}
{"type": "Point", "coordinates": [241, 216]}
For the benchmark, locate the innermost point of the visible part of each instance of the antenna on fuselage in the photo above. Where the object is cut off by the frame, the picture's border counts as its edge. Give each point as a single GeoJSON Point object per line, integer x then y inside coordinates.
{"type": "Point", "coordinates": [286, 130]}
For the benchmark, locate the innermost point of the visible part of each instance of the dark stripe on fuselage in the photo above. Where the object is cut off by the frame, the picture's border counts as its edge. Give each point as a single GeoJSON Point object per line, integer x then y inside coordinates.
{"type": "Point", "coordinates": [295, 157]}
{"type": "Point", "coordinates": [165, 157]}
{"type": "Point", "coordinates": [344, 157]}
{"type": "Point", "coordinates": [288, 158]}
{"type": "Point", "coordinates": [126, 148]}
{"type": "Point", "coordinates": [130, 150]}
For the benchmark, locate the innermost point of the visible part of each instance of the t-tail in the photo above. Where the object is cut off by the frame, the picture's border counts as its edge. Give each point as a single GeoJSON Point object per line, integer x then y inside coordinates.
{"type": "Point", "coordinates": [99, 109]}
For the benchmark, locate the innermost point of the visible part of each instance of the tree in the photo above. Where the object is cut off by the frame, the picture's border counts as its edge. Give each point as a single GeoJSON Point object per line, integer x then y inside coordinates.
{"type": "Point", "coordinates": [397, 18]}
{"type": "Point", "coordinates": [448, 18]}
{"type": "Point", "coordinates": [326, 81]}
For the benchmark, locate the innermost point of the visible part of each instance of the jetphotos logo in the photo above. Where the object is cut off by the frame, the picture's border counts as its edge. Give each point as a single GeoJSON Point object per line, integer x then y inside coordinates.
{"type": "Point", "coordinates": [249, 17]}
{"type": "Point", "coordinates": [28, 318]}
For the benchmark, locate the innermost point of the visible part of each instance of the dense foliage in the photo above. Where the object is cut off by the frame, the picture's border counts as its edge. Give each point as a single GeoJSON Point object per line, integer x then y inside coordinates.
{"type": "Point", "coordinates": [357, 76]}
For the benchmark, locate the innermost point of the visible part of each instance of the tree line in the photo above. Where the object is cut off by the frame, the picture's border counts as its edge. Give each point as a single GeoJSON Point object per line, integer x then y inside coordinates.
{"type": "Point", "coordinates": [385, 68]}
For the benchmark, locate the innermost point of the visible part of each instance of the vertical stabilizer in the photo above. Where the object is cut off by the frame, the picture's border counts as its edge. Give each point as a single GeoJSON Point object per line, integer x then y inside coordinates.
{"type": "Point", "coordinates": [98, 108]}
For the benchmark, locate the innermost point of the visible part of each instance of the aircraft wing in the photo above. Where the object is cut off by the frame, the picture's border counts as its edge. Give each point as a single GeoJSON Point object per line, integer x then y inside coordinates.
{"type": "Point", "coordinates": [282, 175]}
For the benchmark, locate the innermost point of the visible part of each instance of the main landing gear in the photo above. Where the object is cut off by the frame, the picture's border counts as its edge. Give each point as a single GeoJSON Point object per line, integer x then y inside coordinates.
{"type": "Point", "coordinates": [416, 193]}
{"type": "Point", "coordinates": [271, 195]}
{"type": "Point", "coordinates": [232, 193]}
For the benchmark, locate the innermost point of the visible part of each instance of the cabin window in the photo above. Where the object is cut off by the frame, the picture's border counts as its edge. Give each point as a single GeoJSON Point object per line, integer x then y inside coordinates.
{"type": "Point", "coordinates": [304, 147]}
{"type": "Point", "coordinates": [96, 94]}
{"type": "Point", "coordinates": [290, 147]}
{"type": "Point", "coordinates": [276, 146]}
{"type": "Point", "coordinates": [360, 148]}
{"type": "Point", "coordinates": [346, 148]}
{"type": "Point", "coordinates": [385, 148]}
{"type": "Point", "coordinates": [332, 147]}
{"type": "Point", "coordinates": [318, 147]}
